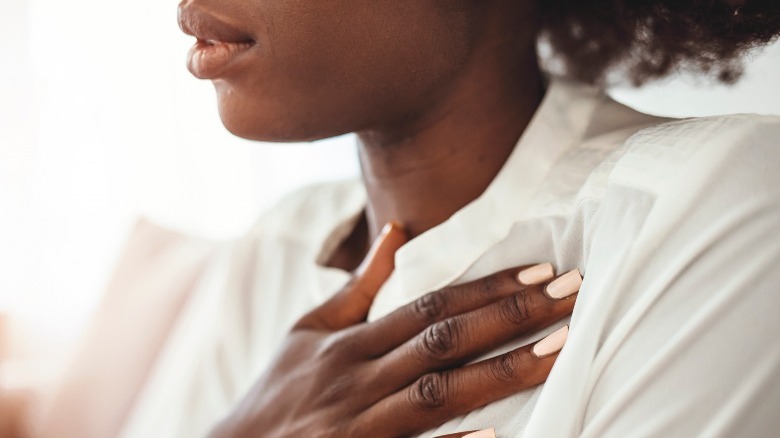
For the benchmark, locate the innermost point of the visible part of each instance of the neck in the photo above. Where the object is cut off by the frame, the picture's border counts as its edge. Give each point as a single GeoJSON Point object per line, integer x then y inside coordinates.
{"type": "Point", "coordinates": [420, 174]}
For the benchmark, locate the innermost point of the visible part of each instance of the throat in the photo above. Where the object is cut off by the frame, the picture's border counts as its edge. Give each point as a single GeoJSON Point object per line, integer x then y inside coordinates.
{"type": "Point", "coordinates": [421, 195]}
{"type": "Point", "coordinates": [422, 180]}
{"type": "Point", "coordinates": [431, 160]}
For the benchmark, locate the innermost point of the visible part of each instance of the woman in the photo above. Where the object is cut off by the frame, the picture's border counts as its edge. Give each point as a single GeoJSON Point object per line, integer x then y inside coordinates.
{"type": "Point", "coordinates": [669, 221]}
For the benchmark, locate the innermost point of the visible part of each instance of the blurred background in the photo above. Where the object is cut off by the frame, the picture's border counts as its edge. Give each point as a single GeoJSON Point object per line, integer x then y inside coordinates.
{"type": "Point", "coordinates": [101, 123]}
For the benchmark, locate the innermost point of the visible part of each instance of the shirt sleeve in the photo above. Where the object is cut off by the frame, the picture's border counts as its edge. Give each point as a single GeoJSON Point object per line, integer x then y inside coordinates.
{"type": "Point", "coordinates": [676, 331]}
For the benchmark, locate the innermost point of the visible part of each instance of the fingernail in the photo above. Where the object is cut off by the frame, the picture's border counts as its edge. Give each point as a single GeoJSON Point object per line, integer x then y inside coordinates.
{"type": "Point", "coordinates": [565, 285]}
{"type": "Point", "coordinates": [486, 433]}
{"type": "Point", "coordinates": [376, 245]}
{"type": "Point", "coordinates": [552, 343]}
{"type": "Point", "coordinates": [389, 226]}
{"type": "Point", "coordinates": [536, 274]}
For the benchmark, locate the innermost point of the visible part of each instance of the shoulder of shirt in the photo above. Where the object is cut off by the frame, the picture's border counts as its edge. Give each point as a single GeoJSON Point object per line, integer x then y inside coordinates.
{"type": "Point", "coordinates": [717, 145]}
{"type": "Point", "coordinates": [726, 129]}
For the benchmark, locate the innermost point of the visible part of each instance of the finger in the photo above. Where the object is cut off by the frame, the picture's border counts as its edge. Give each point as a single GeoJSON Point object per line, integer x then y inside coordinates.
{"type": "Point", "coordinates": [350, 305]}
{"type": "Point", "coordinates": [438, 397]}
{"type": "Point", "coordinates": [406, 322]}
{"type": "Point", "coordinates": [463, 338]}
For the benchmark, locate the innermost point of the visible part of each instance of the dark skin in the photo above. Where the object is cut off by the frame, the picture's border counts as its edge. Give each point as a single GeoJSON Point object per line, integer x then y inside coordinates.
{"type": "Point", "coordinates": [438, 94]}
{"type": "Point", "coordinates": [409, 168]}
{"type": "Point", "coordinates": [430, 87]}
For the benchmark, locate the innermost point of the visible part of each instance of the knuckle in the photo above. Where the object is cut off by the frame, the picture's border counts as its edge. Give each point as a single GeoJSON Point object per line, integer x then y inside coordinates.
{"type": "Point", "coordinates": [490, 285]}
{"type": "Point", "coordinates": [336, 346]}
{"type": "Point", "coordinates": [438, 342]}
{"type": "Point", "coordinates": [429, 393]}
{"type": "Point", "coordinates": [429, 307]}
{"type": "Point", "coordinates": [493, 285]}
{"type": "Point", "coordinates": [483, 288]}
{"type": "Point", "coordinates": [504, 369]}
{"type": "Point", "coordinates": [517, 308]}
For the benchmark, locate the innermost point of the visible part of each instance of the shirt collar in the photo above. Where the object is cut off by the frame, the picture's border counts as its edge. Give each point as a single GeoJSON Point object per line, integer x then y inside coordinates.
{"type": "Point", "coordinates": [442, 254]}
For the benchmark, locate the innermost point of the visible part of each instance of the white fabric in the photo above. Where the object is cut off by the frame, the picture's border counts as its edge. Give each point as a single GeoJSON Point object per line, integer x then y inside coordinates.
{"type": "Point", "coordinates": [674, 224]}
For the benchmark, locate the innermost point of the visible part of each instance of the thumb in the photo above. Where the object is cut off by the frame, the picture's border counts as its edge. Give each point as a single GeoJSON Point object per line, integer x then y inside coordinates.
{"type": "Point", "coordinates": [350, 305]}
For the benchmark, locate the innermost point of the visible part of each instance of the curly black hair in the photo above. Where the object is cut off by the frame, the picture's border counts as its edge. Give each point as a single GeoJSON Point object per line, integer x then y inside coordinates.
{"type": "Point", "coordinates": [646, 39]}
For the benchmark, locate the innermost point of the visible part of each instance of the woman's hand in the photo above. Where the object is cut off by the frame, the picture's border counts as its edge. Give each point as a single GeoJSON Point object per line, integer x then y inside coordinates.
{"type": "Point", "coordinates": [338, 376]}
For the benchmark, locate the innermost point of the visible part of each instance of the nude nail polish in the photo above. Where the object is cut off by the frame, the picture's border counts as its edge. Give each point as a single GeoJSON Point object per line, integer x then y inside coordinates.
{"type": "Point", "coordinates": [552, 343]}
{"type": "Point", "coordinates": [388, 227]}
{"type": "Point", "coordinates": [486, 433]}
{"type": "Point", "coordinates": [565, 285]}
{"type": "Point", "coordinates": [536, 274]}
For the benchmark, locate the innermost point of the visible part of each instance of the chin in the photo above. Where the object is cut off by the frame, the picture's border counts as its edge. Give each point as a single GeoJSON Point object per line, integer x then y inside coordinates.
{"type": "Point", "coordinates": [252, 128]}
{"type": "Point", "coordinates": [262, 120]}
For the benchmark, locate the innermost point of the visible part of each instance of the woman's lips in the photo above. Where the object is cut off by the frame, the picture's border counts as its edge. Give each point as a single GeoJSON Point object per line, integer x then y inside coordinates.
{"type": "Point", "coordinates": [207, 59]}
{"type": "Point", "coordinates": [219, 42]}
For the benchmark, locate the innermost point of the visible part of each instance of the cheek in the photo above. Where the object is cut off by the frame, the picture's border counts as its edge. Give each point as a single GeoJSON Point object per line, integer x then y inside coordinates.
{"type": "Point", "coordinates": [319, 72]}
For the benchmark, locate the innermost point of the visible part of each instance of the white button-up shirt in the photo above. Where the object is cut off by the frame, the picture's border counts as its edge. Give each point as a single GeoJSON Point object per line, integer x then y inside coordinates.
{"type": "Point", "coordinates": [674, 224]}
